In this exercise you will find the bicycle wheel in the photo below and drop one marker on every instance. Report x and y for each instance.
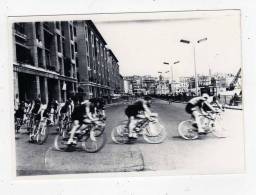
(61, 126)
(90, 145)
(187, 131)
(99, 129)
(218, 130)
(119, 135)
(42, 133)
(154, 133)
(60, 143)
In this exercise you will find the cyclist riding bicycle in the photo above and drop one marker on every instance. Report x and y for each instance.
(98, 108)
(81, 117)
(19, 114)
(52, 110)
(36, 111)
(137, 111)
(198, 106)
(67, 109)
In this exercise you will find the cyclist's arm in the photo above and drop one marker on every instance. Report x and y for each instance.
(209, 106)
(147, 111)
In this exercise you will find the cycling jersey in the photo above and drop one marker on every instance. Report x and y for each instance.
(21, 110)
(134, 109)
(80, 112)
(37, 106)
(193, 103)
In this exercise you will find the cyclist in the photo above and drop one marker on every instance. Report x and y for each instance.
(36, 111)
(137, 111)
(98, 108)
(198, 106)
(52, 110)
(20, 113)
(80, 117)
(66, 110)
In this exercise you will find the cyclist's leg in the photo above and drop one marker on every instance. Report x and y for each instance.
(75, 126)
(131, 125)
(196, 116)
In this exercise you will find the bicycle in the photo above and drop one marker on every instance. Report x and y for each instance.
(211, 123)
(150, 129)
(91, 139)
(18, 124)
(39, 133)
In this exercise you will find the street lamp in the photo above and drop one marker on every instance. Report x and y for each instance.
(194, 52)
(171, 67)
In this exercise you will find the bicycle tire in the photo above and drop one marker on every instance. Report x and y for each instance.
(156, 137)
(91, 146)
(42, 134)
(218, 130)
(118, 135)
(187, 131)
(59, 144)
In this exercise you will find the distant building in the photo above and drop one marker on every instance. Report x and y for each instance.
(142, 84)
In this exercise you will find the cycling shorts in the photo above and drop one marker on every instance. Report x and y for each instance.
(190, 108)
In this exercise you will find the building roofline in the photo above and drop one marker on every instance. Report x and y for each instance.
(111, 52)
(90, 22)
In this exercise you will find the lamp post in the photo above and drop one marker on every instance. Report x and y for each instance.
(171, 69)
(194, 53)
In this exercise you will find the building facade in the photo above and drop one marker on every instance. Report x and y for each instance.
(44, 61)
(55, 60)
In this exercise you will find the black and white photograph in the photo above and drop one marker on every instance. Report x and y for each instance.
(137, 92)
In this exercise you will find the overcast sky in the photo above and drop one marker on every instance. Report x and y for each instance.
(143, 42)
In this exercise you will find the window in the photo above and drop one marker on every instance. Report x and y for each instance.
(47, 58)
(40, 57)
(38, 31)
(72, 51)
(75, 47)
(46, 25)
(60, 61)
(74, 31)
(71, 32)
(20, 27)
(62, 28)
(63, 46)
(58, 43)
(57, 25)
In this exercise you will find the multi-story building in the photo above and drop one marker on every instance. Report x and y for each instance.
(44, 62)
(142, 84)
(58, 59)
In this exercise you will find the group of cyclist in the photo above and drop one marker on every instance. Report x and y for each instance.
(78, 109)
(82, 111)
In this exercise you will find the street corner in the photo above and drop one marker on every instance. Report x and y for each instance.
(106, 160)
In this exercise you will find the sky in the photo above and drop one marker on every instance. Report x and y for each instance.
(142, 42)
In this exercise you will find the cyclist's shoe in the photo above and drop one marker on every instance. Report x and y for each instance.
(202, 133)
(195, 125)
(132, 135)
(71, 142)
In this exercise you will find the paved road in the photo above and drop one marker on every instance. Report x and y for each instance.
(208, 155)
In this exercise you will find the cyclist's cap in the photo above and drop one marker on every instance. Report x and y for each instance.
(205, 96)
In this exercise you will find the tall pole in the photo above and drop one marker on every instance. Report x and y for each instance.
(196, 79)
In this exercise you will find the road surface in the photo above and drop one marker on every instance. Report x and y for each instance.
(209, 155)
